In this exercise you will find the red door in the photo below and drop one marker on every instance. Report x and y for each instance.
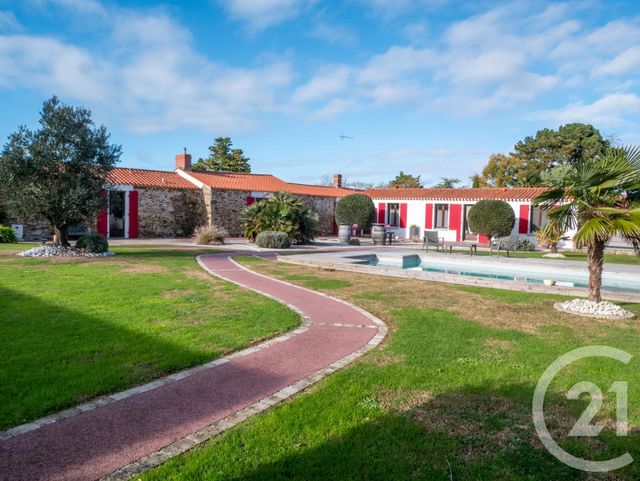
(133, 214)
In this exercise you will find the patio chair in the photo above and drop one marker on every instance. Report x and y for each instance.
(507, 244)
(431, 238)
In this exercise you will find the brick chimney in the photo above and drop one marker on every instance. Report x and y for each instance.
(183, 161)
(337, 181)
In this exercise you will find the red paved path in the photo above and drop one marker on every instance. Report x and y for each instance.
(93, 444)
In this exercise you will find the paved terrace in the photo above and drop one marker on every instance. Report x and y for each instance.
(119, 436)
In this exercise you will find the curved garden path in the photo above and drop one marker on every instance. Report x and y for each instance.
(126, 433)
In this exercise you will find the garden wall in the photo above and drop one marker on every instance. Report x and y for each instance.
(169, 212)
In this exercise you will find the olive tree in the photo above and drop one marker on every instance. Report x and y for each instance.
(58, 171)
(493, 218)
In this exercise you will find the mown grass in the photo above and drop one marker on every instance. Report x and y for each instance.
(446, 397)
(73, 329)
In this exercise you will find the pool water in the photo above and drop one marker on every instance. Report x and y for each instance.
(529, 273)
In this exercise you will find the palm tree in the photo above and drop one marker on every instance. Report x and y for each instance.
(598, 197)
(283, 213)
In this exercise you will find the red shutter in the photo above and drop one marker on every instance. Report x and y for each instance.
(483, 240)
(455, 219)
(523, 224)
(103, 218)
(133, 214)
(428, 216)
(250, 200)
(403, 215)
(381, 212)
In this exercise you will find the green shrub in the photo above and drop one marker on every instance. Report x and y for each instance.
(493, 218)
(94, 243)
(273, 240)
(525, 245)
(7, 235)
(356, 209)
(210, 234)
(354, 242)
(281, 213)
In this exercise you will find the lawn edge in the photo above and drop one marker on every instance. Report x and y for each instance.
(105, 400)
(185, 444)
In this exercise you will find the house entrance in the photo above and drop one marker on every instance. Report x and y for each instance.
(467, 235)
(116, 213)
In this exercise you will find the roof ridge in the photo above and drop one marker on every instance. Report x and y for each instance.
(145, 170)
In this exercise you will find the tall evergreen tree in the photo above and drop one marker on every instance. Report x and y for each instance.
(222, 158)
(58, 171)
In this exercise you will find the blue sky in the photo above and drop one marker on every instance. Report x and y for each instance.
(431, 87)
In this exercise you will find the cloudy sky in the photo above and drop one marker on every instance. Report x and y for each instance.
(431, 87)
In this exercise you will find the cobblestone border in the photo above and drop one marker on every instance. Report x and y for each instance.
(185, 444)
(111, 398)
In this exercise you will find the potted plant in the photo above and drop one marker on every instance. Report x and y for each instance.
(353, 209)
(414, 233)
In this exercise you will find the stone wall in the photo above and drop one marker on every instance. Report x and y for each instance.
(226, 206)
(169, 212)
(38, 230)
(325, 207)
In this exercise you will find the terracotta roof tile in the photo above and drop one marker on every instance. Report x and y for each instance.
(154, 179)
(516, 193)
(263, 183)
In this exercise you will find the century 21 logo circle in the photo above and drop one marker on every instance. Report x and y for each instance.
(583, 426)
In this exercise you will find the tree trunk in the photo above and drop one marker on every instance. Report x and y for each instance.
(553, 246)
(62, 236)
(595, 254)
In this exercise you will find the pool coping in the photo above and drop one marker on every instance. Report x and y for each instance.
(397, 272)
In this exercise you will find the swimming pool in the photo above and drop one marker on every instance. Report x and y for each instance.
(506, 270)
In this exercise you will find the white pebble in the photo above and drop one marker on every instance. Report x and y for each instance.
(54, 251)
(602, 308)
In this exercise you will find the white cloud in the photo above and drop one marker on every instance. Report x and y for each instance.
(9, 22)
(609, 110)
(329, 81)
(332, 109)
(81, 7)
(333, 33)
(261, 14)
(627, 61)
(151, 79)
(49, 65)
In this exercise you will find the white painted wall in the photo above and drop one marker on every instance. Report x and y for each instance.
(416, 210)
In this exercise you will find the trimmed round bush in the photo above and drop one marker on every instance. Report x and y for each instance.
(273, 240)
(493, 218)
(94, 243)
(356, 209)
(7, 235)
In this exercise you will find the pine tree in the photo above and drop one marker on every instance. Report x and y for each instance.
(222, 158)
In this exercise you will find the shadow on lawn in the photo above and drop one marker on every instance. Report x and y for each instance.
(454, 436)
(54, 357)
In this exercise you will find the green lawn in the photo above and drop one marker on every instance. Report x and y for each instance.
(73, 329)
(446, 397)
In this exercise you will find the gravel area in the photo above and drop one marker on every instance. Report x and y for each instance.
(53, 251)
(602, 309)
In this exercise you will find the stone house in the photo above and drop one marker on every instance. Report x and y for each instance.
(154, 203)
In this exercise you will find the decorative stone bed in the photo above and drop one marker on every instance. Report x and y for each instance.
(53, 251)
(600, 310)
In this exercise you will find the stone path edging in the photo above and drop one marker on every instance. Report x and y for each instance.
(184, 444)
